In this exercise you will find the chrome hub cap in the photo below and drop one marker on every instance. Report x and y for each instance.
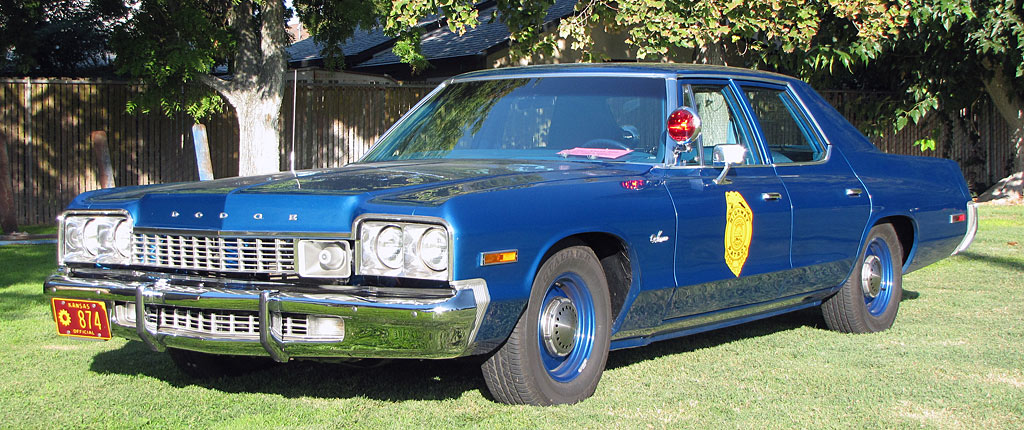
(871, 276)
(558, 326)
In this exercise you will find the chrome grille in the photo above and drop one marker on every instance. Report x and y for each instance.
(214, 253)
(231, 323)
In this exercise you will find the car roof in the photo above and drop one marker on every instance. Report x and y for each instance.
(666, 70)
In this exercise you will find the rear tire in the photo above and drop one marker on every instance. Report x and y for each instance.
(557, 352)
(870, 298)
(201, 365)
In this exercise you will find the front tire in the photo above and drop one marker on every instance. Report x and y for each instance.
(870, 298)
(557, 352)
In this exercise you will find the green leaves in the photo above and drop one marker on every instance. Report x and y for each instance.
(927, 144)
(407, 48)
(168, 44)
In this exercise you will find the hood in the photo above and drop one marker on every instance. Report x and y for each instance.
(324, 200)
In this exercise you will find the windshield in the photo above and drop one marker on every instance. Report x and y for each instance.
(603, 118)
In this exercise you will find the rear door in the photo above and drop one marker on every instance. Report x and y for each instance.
(830, 207)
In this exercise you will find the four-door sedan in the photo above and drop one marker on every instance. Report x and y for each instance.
(537, 217)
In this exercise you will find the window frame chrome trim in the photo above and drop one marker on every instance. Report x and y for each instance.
(788, 89)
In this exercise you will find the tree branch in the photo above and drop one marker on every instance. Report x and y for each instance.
(224, 87)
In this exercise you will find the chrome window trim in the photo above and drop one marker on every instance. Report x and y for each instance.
(411, 219)
(788, 89)
(587, 74)
(402, 119)
(727, 83)
(733, 77)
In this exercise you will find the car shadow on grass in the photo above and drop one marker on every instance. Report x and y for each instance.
(810, 317)
(1009, 263)
(397, 380)
(710, 339)
(402, 380)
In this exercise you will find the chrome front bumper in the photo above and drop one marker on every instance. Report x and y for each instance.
(203, 318)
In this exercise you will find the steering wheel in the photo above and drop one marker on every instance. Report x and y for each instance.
(603, 143)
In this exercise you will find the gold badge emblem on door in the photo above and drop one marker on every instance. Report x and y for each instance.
(739, 228)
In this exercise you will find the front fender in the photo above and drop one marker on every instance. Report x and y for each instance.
(532, 220)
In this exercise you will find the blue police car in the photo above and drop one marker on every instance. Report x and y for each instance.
(535, 217)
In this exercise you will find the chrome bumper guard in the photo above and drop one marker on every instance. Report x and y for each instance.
(201, 318)
(972, 228)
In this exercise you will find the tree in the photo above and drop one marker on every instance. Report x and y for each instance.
(52, 38)
(954, 53)
(939, 54)
(172, 45)
(804, 38)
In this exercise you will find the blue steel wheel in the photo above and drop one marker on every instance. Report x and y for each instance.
(566, 327)
(870, 298)
(557, 352)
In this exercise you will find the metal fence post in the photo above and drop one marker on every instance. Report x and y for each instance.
(203, 163)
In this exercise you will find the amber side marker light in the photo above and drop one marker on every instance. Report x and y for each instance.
(499, 257)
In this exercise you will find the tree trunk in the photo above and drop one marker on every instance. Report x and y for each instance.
(712, 52)
(1011, 106)
(8, 218)
(259, 136)
(256, 88)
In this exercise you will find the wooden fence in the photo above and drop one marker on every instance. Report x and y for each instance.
(47, 124)
(979, 139)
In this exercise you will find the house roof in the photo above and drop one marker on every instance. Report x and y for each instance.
(372, 48)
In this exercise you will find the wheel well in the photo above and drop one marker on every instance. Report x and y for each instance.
(611, 251)
(904, 230)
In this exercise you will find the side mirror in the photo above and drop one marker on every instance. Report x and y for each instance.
(730, 155)
(683, 126)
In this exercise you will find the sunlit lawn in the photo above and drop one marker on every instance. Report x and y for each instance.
(955, 359)
(34, 229)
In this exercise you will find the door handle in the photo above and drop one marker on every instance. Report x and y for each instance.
(770, 196)
(854, 192)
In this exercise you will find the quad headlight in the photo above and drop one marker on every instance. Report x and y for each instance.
(404, 249)
(96, 237)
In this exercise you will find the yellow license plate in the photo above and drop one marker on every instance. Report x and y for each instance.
(81, 318)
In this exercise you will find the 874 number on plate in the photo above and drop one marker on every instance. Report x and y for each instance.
(81, 318)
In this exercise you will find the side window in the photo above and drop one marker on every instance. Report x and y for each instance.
(787, 133)
(721, 122)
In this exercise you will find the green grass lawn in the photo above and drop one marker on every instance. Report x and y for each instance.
(955, 359)
(35, 229)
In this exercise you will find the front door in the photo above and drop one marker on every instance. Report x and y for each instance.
(733, 237)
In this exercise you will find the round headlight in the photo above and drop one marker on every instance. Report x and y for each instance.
(91, 236)
(389, 247)
(434, 249)
(73, 235)
(123, 238)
